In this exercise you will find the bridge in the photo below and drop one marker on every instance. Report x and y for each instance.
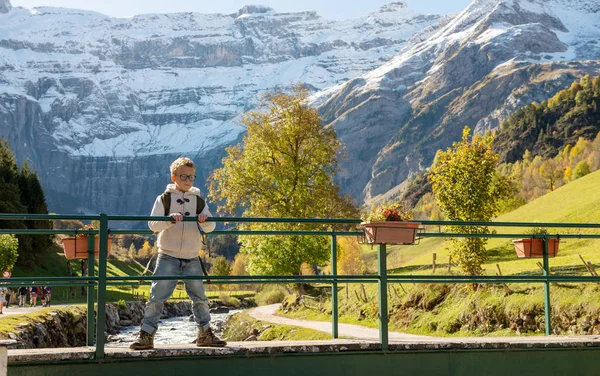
(551, 355)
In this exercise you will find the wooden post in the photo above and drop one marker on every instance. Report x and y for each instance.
(449, 264)
(433, 265)
(589, 266)
(506, 288)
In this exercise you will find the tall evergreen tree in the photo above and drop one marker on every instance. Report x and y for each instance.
(32, 197)
(10, 199)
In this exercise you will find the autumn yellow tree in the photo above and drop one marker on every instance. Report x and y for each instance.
(350, 261)
(283, 168)
(220, 266)
(467, 187)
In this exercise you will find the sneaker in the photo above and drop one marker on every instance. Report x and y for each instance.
(207, 338)
(144, 341)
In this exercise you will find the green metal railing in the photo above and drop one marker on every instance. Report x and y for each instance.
(100, 281)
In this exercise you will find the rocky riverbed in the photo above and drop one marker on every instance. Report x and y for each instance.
(67, 326)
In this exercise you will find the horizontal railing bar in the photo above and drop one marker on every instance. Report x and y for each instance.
(239, 219)
(241, 277)
(19, 216)
(507, 224)
(40, 217)
(48, 232)
(298, 233)
(253, 232)
(506, 235)
(51, 279)
(256, 282)
(46, 283)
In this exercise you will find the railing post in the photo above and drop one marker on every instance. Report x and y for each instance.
(334, 289)
(383, 301)
(90, 291)
(101, 311)
(547, 308)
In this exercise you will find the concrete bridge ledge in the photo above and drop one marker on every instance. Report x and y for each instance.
(307, 347)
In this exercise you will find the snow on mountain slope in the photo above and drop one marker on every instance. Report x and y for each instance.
(475, 69)
(164, 83)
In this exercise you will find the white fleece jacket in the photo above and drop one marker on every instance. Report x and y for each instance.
(180, 240)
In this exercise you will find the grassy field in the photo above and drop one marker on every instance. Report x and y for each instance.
(576, 202)
(456, 310)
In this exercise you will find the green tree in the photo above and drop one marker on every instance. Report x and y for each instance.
(9, 246)
(468, 188)
(132, 252)
(220, 266)
(10, 199)
(581, 169)
(552, 173)
(284, 167)
(32, 197)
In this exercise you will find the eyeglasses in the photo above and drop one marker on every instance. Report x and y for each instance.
(185, 177)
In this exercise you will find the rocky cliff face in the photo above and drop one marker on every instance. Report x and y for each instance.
(491, 59)
(5, 6)
(101, 105)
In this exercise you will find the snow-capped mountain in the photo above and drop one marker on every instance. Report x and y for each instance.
(492, 58)
(100, 105)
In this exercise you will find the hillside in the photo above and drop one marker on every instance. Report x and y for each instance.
(578, 201)
(546, 128)
(492, 59)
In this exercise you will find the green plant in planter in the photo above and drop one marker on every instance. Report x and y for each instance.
(538, 231)
(388, 224)
(396, 212)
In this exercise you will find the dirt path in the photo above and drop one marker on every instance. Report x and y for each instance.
(267, 313)
(16, 310)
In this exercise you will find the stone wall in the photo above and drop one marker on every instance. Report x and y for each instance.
(68, 327)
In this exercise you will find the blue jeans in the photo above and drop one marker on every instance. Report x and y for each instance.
(161, 290)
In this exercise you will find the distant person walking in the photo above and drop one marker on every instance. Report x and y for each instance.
(33, 294)
(8, 295)
(2, 297)
(47, 292)
(22, 296)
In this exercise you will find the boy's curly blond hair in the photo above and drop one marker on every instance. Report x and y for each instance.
(181, 161)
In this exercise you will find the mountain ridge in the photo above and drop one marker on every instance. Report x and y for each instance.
(488, 61)
(96, 100)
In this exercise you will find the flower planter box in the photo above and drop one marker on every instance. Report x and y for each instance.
(389, 232)
(528, 248)
(76, 247)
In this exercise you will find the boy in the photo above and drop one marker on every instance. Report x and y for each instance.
(178, 246)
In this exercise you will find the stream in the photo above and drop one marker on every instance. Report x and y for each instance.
(175, 330)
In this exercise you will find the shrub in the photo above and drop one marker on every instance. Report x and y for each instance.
(9, 245)
(230, 301)
(271, 295)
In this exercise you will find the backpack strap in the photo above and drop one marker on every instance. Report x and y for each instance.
(200, 204)
(166, 201)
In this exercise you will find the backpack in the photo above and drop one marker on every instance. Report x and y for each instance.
(200, 204)
(166, 201)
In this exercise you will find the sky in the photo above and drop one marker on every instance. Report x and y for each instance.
(329, 9)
